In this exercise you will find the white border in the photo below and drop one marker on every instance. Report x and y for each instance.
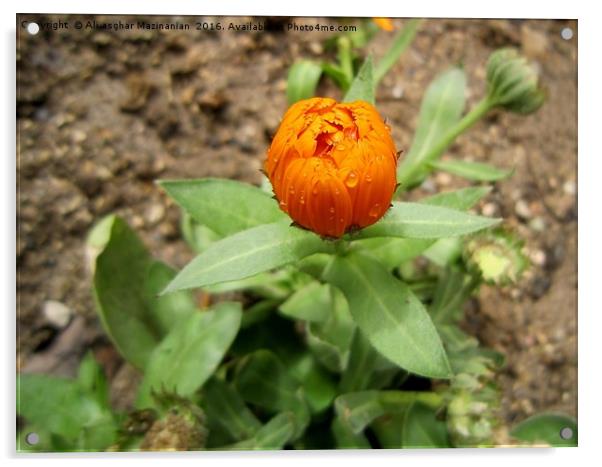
(590, 231)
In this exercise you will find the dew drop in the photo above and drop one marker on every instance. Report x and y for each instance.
(291, 190)
(351, 179)
(374, 210)
(282, 204)
(368, 178)
(316, 190)
(331, 209)
(302, 200)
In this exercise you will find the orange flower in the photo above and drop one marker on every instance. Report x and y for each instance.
(384, 23)
(332, 166)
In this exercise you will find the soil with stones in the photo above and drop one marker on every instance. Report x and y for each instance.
(102, 114)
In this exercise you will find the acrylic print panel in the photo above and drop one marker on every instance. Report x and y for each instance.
(295, 233)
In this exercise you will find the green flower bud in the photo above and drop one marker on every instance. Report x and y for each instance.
(497, 255)
(512, 82)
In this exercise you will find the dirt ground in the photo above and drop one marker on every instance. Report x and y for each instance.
(101, 115)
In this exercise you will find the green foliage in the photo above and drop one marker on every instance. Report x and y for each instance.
(224, 206)
(303, 78)
(546, 428)
(67, 414)
(476, 171)
(441, 109)
(362, 87)
(127, 282)
(190, 353)
(247, 253)
(262, 379)
(390, 316)
(419, 220)
(401, 42)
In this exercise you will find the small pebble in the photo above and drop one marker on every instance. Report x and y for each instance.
(58, 314)
(397, 92)
(155, 213)
(538, 257)
(569, 187)
(316, 48)
(522, 209)
(443, 179)
(489, 209)
(538, 224)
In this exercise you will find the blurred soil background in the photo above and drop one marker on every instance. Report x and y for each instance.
(101, 115)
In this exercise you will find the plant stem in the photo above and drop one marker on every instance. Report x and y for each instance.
(345, 58)
(477, 112)
(396, 398)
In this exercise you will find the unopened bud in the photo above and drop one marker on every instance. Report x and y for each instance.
(513, 82)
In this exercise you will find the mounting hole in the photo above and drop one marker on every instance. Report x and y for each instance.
(566, 34)
(32, 439)
(566, 433)
(33, 28)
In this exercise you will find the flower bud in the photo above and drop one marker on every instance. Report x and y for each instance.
(513, 82)
(497, 256)
(332, 165)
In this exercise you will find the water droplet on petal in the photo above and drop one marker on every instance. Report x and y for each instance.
(282, 204)
(316, 190)
(291, 190)
(374, 210)
(368, 178)
(351, 179)
(302, 200)
(331, 209)
(341, 220)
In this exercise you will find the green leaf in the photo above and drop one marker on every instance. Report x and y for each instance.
(309, 303)
(358, 409)
(445, 251)
(441, 109)
(546, 428)
(197, 235)
(224, 407)
(400, 44)
(319, 387)
(462, 199)
(303, 79)
(388, 430)
(273, 435)
(345, 438)
(476, 171)
(65, 409)
(391, 252)
(91, 378)
(419, 220)
(453, 289)
(330, 341)
(362, 359)
(126, 283)
(190, 353)
(362, 87)
(258, 312)
(248, 253)
(421, 429)
(262, 379)
(225, 206)
(392, 318)
(167, 309)
(336, 74)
